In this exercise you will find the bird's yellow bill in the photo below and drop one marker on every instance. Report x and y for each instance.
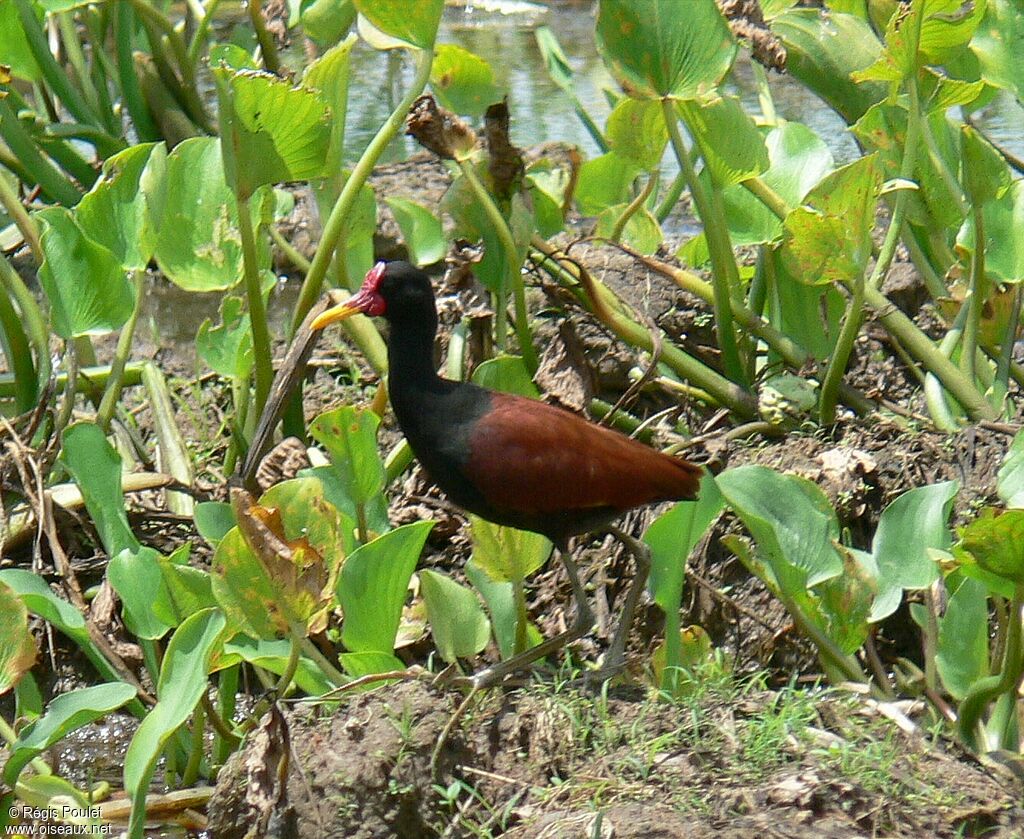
(333, 315)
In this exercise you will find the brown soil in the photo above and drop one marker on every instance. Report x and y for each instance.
(550, 762)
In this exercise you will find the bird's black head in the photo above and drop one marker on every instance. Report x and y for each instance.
(396, 290)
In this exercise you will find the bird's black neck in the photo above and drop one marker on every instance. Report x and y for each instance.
(411, 354)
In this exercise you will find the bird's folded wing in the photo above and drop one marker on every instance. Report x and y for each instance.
(533, 457)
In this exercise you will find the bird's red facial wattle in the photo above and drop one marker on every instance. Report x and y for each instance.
(366, 301)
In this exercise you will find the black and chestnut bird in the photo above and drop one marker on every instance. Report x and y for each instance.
(511, 460)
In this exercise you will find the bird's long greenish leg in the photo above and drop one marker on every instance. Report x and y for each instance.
(582, 624)
(616, 655)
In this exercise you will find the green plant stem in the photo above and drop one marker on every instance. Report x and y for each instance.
(767, 196)
(855, 311)
(67, 405)
(671, 198)
(785, 347)
(199, 37)
(10, 736)
(227, 691)
(54, 75)
(291, 252)
(195, 753)
(19, 357)
(294, 654)
(631, 209)
(31, 318)
(513, 272)
(112, 392)
(336, 223)
(984, 691)
(976, 297)
(262, 363)
(51, 180)
(935, 396)
(725, 275)
(920, 347)
(271, 60)
(73, 49)
(397, 461)
(610, 310)
(522, 618)
(329, 670)
(836, 369)
(932, 280)
(128, 80)
(1001, 385)
(27, 227)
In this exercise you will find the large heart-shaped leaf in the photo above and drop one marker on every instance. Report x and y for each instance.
(910, 527)
(506, 554)
(732, 147)
(961, 651)
(999, 44)
(654, 50)
(828, 239)
(636, 131)
(116, 211)
(350, 436)
(501, 603)
(996, 541)
(1004, 235)
(276, 132)
(199, 247)
(457, 621)
(414, 25)
(463, 82)
(373, 584)
(791, 520)
(86, 285)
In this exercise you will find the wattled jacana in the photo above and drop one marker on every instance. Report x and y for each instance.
(511, 460)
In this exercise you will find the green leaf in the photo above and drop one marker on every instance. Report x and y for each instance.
(86, 285)
(999, 44)
(636, 131)
(183, 681)
(555, 61)
(732, 147)
(654, 51)
(986, 174)
(330, 75)
(1010, 478)
(266, 595)
(17, 54)
(908, 528)
(473, 223)
(641, 231)
(350, 436)
(673, 536)
(96, 468)
(277, 132)
(604, 182)
(828, 239)
(198, 246)
(412, 25)
(227, 347)
(17, 646)
(506, 373)
(961, 654)
(273, 656)
(65, 713)
(1004, 235)
(792, 521)
(115, 213)
(373, 585)
(213, 520)
(824, 50)
(136, 577)
(844, 602)
(996, 541)
(457, 622)
(365, 664)
(326, 21)
(501, 603)
(506, 554)
(421, 230)
(798, 159)
(463, 82)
